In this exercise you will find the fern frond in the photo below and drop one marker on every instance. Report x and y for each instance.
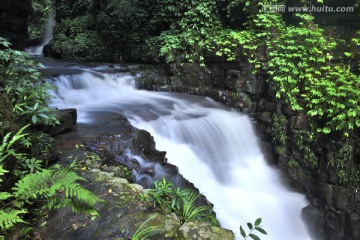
(9, 218)
(5, 142)
(78, 199)
(2, 172)
(190, 211)
(48, 184)
(5, 195)
(65, 177)
(17, 136)
(34, 185)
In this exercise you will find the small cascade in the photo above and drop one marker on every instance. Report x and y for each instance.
(49, 28)
(213, 146)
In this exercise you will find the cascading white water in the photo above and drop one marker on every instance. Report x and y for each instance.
(214, 147)
(49, 28)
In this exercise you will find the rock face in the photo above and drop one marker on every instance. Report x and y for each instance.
(309, 165)
(123, 211)
(121, 214)
(13, 21)
(67, 120)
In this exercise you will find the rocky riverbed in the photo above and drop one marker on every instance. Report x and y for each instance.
(102, 160)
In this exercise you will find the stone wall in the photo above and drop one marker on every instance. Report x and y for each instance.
(306, 163)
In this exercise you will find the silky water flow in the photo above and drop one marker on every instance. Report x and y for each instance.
(214, 147)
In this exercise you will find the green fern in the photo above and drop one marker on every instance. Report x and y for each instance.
(2, 172)
(5, 195)
(190, 212)
(59, 187)
(9, 217)
(5, 148)
(143, 233)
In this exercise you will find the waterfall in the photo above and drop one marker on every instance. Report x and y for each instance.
(213, 146)
(49, 28)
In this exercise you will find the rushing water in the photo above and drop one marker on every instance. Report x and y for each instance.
(214, 147)
(49, 28)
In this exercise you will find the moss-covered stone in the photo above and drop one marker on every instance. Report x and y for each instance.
(201, 230)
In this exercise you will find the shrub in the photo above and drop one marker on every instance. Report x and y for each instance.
(180, 201)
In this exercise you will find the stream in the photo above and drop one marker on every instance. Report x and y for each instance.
(213, 146)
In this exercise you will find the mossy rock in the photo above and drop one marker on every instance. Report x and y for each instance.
(202, 230)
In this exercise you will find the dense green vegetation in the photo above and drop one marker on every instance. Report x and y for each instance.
(315, 72)
(28, 187)
(41, 10)
(299, 58)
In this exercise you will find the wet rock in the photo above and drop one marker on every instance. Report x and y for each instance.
(201, 230)
(268, 106)
(265, 117)
(300, 122)
(314, 220)
(50, 51)
(335, 223)
(251, 85)
(328, 193)
(143, 142)
(354, 225)
(342, 197)
(287, 110)
(121, 213)
(67, 119)
(233, 79)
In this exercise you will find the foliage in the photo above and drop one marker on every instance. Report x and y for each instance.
(143, 233)
(198, 23)
(26, 93)
(38, 18)
(58, 186)
(306, 68)
(180, 201)
(299, 59)
(302, 141)
(77, 39)
(279, 128)
(98, 30)
(253, 228)
(341, 162)
(299, 65)
(25, 184)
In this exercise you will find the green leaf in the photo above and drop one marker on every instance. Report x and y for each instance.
(257, 222)
(43, 116)
(253, 236)
(36, 106)
(242, 232)
(34, 119)
(250, 226)
(261, 230)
